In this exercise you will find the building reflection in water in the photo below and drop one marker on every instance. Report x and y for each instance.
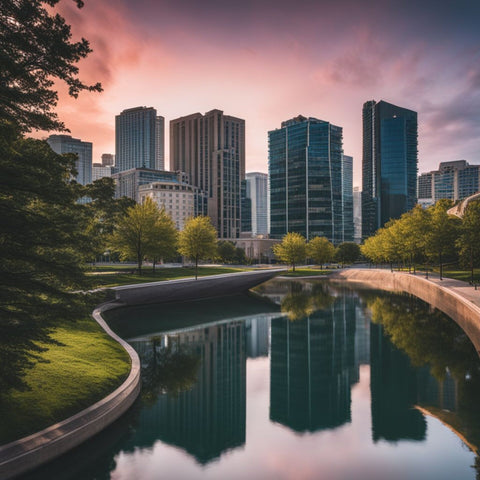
(209, 417)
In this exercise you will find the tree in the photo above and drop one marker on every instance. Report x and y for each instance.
(292, 249)
(469, 239)
(226, 251)
(35, 51)
(198, 240)
(320, 250)
(164, 244)
(413, 229)
(347, 252)
(443, 230)
(136, 232)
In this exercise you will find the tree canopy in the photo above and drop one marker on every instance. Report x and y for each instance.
(347, 252)
(36, 49)
(198, 240)
(292, 249)
(320, 250)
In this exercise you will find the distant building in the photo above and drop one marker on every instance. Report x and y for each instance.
(257, 184)
(357, 215)
(210, 148)
(108, 159)
(180, 200)
(100, 171)
(305, 171)
(139, 139)
(245, 210)
(66, 144)
(389, 165)
(347, 198)
(454, 180)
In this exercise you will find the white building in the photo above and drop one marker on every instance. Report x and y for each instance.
(257, 192)
(178, 199)
(100, 171)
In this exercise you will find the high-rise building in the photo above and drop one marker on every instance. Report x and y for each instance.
(389, 169)
(257, 192)
(455, 180)
(347, 198)
(305, 170)
(139, 139)
(210, 148)
(357, 215)
(66, 144)
(108, 159)
(100, 171)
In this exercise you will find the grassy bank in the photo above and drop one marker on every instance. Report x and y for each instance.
(88, 366)
(306, 272)
(106, 277)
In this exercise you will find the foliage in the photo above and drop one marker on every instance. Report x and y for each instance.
(292, 249)
(320, 250)
(198, 240)
(139, 233)
(164, 244)
(226, 251)
(35, 51)
(347, 252)
(82, 367)
(468, 241)
(42, 246)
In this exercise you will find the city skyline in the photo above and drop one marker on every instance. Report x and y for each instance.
(276, 70)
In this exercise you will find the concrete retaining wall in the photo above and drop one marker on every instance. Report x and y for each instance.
(30, 452)
(441, 295)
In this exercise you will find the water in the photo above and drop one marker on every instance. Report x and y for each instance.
(298, 383)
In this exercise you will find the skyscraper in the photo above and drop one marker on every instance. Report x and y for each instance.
(257, 192)
(389, 169)
(66, 144)
(347, 198)
(305, 168)
(210, 148)
(139, 139)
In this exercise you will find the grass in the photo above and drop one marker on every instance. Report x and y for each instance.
(106, 279)
(459, 274)
(69, 378)
(306, 272)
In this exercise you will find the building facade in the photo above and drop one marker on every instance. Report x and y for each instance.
(357, 215)
(100, 171)
(454, 180)
(66, 144)
(210, 148)
(389, 165)
(257, 192)
(108, 159)
(305, 171)
(139, 139)
(347, 198)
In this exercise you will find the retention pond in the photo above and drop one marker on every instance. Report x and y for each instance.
(301, 380)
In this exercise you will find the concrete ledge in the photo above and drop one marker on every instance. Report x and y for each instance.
(455, 298)
(191, 289)
(41, 447)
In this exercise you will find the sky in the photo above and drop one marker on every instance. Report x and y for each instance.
(268, 61)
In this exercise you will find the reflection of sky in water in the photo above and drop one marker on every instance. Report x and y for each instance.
(421, 447)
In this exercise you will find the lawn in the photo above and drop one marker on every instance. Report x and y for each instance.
(306, 272)
(70, 378)
(105, 278)
(458, 274)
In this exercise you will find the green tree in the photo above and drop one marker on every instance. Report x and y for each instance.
(347, 252)
(413, 229)
(198, 240)
(292, 249)
(469, 239)
(35, 51)
(226, 251)
(164, 244)
(136, 232)
(320, 250)
(442, 233)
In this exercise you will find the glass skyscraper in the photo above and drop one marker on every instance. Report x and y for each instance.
(390, 159)
(139, 139)
(66, 144)
(305, 168)
(257, 189)
(347, 198)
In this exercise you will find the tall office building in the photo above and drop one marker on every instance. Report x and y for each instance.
(390, 158)
(357, 215)
(347, 198)
(305, 169)
(66, 144)
(210, 148)
(455, 180)
(139, 139)
(108, 159)
(257, 193)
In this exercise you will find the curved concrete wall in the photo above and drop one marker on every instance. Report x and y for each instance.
(30, 452)
(445, 295)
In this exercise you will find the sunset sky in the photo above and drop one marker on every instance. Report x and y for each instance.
(267, 61)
